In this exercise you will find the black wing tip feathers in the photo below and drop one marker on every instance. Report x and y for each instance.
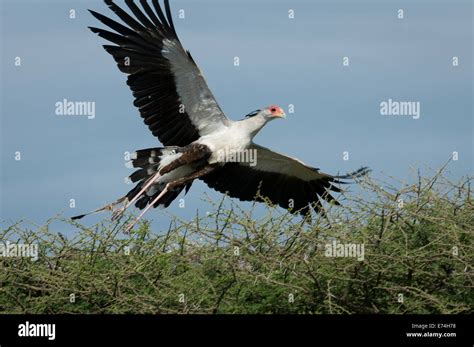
(95, 14)
(94, 30)
(144, 17)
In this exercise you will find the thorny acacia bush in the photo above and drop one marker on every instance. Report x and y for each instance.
(418, 258)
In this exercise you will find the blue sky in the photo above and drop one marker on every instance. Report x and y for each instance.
(282, 61)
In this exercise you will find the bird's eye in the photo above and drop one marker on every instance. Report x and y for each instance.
(273, 109)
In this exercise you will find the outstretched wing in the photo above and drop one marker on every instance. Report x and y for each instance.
(169, 89)
(284, 181)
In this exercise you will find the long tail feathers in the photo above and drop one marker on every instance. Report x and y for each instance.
(108, 207)
(351, 175)
(146, 191)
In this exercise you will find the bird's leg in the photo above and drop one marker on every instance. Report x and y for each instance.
(170, 186)
(191, 154)
(148, 183)
(150, 205)
(201, 172)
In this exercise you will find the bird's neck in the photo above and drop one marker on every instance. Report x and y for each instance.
(254, 124)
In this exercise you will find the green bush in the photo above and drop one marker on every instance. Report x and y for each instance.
(418, 258)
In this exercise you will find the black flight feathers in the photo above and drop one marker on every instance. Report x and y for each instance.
(137, 49)
(155, 23)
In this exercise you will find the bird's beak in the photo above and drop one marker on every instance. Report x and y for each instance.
(281, 114)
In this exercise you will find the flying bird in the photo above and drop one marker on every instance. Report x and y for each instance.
(199, 141)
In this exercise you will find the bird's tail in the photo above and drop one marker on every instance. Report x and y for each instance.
(352, 175)
(148, 161)
(108, 207)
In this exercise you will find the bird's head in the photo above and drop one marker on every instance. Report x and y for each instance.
(274, 111)
(268, 113)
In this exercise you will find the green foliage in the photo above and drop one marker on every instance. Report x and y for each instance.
(418, 258)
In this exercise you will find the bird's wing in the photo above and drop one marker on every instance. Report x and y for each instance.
(169, 89)
(283, 180)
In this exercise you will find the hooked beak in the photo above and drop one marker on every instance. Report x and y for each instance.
(280, 114)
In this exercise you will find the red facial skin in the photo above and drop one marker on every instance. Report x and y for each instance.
(276, 110)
